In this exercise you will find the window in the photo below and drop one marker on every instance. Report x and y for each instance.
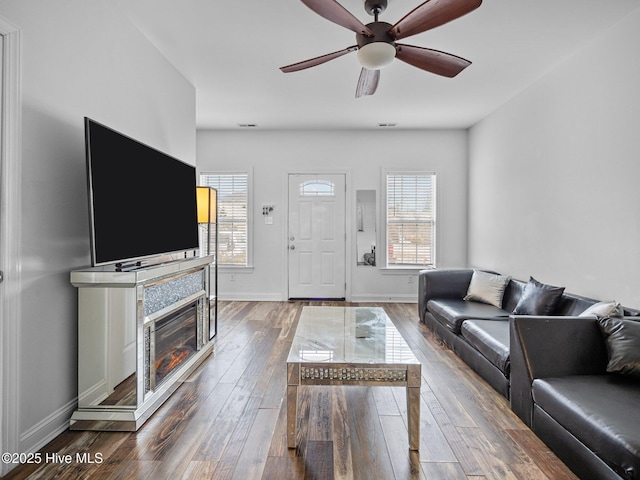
(410, 219)
(317, 188)
(233, 203)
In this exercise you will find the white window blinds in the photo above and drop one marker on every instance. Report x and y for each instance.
(411, 219)
(233, 198)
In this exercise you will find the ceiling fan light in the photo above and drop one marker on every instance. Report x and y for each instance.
(376, 55)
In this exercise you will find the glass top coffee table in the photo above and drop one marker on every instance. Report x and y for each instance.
(351, 346)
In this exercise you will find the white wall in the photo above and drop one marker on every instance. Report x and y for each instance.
(79, 58)
(554, 175)
(272, 154)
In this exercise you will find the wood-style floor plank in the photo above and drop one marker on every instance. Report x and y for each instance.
(366, 436)
(405, 463)
(228, 420)
(280, 468)
(434, 445)
(253, 457)
(319, 460)
(448, 471)
(342, 457)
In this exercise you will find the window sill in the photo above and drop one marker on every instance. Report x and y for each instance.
(229, 269)
(403, 270)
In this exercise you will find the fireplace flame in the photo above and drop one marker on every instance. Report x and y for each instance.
(169, 362)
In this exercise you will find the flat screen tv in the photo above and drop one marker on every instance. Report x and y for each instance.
(142, 202)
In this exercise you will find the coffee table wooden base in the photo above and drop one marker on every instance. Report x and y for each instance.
(355, 374)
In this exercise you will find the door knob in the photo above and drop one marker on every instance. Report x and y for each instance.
(292, 247)
(292, 238)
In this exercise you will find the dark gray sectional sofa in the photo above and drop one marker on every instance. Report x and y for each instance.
(484, 342)
(588, 416)
(552, 368)
(478, 332)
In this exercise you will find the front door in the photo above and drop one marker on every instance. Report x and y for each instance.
(317, 236)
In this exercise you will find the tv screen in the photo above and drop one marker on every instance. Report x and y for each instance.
(142, 202)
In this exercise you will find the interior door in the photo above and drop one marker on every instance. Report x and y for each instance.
(317, 236)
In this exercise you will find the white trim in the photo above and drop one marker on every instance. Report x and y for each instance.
(355, 298)
(249, 173)
(349, 200)
(382, 251)
(251, 297)
(46, 430)
(403, 270)
(10, 289)
(234, 269)
(95, 394)
(381, 298)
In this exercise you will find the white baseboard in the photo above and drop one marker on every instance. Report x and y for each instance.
(379, 298)
(46, 430)
(94, 395)
(251, 297)
(359, 298)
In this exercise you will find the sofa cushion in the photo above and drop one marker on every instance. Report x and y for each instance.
(487, 288)
(571, 305)
(452, 312)
(603, 309)
(599, 410)
(623, 345)
(538, 299)
(512, 294)
(491, 339)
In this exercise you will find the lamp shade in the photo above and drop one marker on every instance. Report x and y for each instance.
(376, 55)
(206, 199)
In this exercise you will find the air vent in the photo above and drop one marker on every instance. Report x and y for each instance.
(387, 124)
(248, 125)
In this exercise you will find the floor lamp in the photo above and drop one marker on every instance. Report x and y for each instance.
(207, 201)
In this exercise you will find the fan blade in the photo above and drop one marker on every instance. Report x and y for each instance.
(312, 62)
(336, 13)
(431, 14)
(368, 82)
(433, 61)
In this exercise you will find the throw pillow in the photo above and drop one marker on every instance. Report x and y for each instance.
(538, 299)
(603, 309)
(623, 345)
(487, 288)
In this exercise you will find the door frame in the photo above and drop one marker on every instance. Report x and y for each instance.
(10, 292)
(348, 222)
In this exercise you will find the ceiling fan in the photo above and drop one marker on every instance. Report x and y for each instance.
(376, 42)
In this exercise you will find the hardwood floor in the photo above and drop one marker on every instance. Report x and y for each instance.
(228, 420)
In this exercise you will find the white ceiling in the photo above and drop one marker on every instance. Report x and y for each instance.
(231, 52)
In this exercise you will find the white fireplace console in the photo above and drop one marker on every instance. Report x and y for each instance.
(141, 331)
